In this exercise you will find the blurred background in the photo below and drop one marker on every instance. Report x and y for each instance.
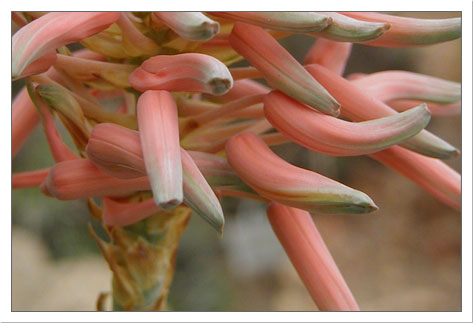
(405, 257)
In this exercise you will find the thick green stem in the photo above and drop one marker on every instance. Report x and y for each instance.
(142, 257)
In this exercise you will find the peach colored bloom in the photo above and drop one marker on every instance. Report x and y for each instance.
(24, 119)
(277, 180)
(183, 72)
(279, 68)
(337, 137)
(53, 30)
(359, 106)
(408, 32)
(310, 257)
(117, 152)
(159, 134)
(80, 178)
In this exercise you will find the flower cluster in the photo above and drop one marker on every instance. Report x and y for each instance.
(190, 129)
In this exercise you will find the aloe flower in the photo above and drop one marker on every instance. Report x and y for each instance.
(163, 126)
(337, 137)
(159, 134)
(299, 236)
(405, 32)
(55, 29)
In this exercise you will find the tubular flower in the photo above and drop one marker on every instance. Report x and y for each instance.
(159, 134)
(337, 137)
(279, 68)
(308, 253)
(359, 106)
(117, 151)
(53, 30)
(406, 32)
(280, 181)
(80, 178)
(163, 127)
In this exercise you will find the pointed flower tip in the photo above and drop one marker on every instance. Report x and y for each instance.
(277, 180)
(199, 195)
(189, 72)
(407, 32)
(279, 68)
(337, 137)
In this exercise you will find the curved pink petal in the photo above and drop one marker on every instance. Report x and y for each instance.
(310, 257)
(117, 151)
(277, 180)
(54, 30)
(159, 134)
(80, 178)
(408, 32)
(359, 106)
(337, 137)
(279, 68)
